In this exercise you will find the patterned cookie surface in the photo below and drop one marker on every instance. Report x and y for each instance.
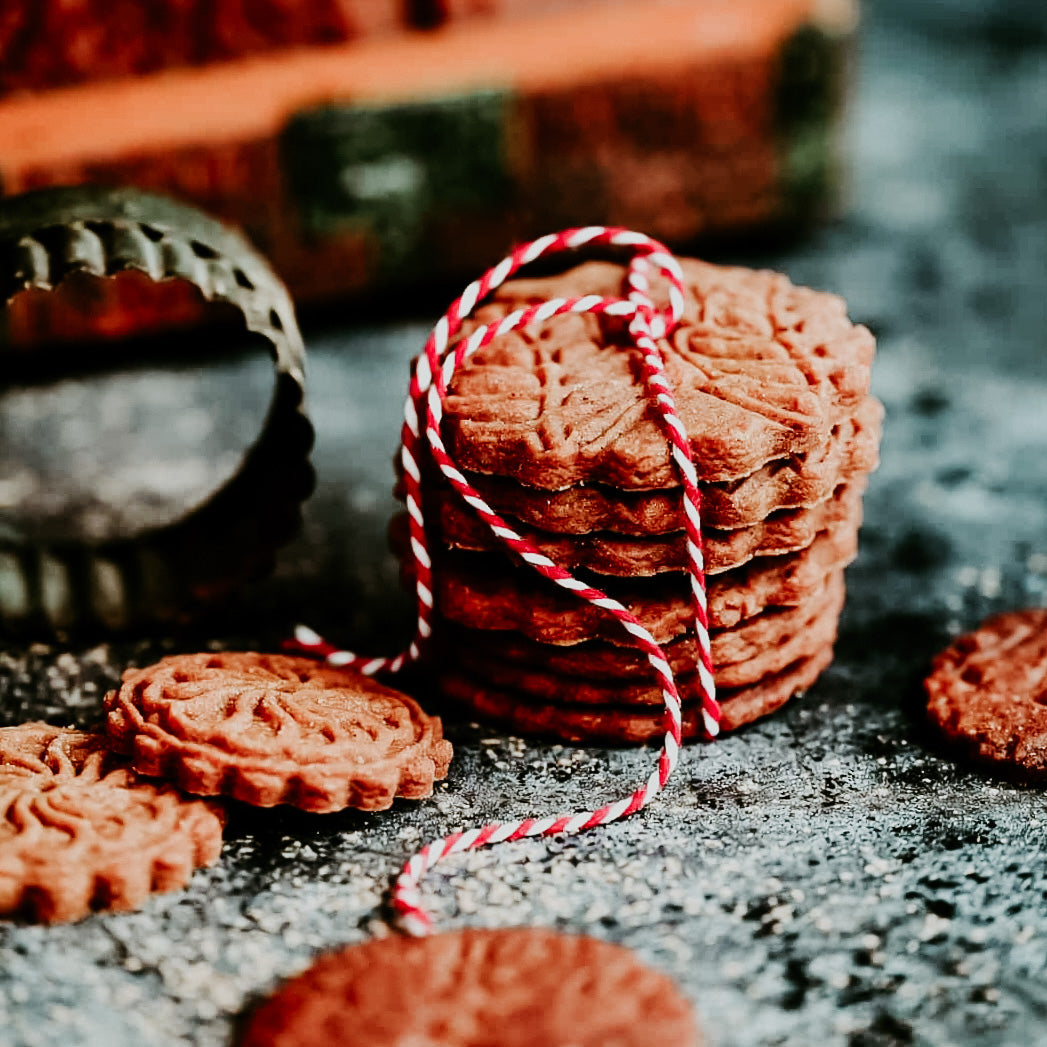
(605, 553)
(269, 729)
(988, 693)
(760, 370)
(82, 831)
(517, 987)
(624, 724)
(795, 482)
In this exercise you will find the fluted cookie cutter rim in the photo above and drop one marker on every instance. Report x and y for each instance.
(161, 575)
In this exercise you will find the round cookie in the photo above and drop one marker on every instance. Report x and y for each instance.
(631, 556)
(987, 693)
(516, 987)
(82, 832)
(760, 370)
(486, 592)
(624, 724)
(799, 481)
(270, 729)
(605, 674)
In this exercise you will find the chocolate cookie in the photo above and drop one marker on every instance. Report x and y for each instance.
(623, 724)
(486, 592)
(800, 481)
(517, 987)
(761, 370)
(270, 729)
(609, 674)
(988, 693)
(605, 553)
(83, 832)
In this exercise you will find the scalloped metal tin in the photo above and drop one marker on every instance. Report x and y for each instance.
(167, 574)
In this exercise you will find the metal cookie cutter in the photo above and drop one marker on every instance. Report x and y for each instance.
(168, 572)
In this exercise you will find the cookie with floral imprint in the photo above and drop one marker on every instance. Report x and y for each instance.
(987, 694)
(796, 482)
(82, 832)
(761, 369)
(273, 729)
(509, 987)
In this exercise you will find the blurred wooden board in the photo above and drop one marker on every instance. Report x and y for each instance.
(423, 156)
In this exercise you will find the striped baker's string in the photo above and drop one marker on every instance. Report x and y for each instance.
(420, 432)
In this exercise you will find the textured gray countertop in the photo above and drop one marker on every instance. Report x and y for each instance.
(828, 876)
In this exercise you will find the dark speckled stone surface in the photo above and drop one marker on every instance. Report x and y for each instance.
(826, 877)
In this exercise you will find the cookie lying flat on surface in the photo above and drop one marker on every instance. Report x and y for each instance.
(270, 729)
(82, 832)
(516, 987)
(988, 693)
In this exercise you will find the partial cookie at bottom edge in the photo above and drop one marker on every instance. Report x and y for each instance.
(515, 987)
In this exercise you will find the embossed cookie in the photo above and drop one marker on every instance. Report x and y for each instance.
(987, 693)
(486, 592)
(270, 729)
(605, 673)
(605, 553)
(625, 724)
(799, 481)
(556, 424)
(82, 832)
(516, 987)
(761, 370)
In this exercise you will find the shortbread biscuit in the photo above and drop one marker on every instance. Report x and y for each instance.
(82, 832)
(486, 592)
(987, 693)
(514, 987)
(270, 729)
(760, 370)
(624, 724)
(797, 482)
(622, 556)
(608, 674)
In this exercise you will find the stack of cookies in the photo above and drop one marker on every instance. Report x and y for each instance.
(555, 428)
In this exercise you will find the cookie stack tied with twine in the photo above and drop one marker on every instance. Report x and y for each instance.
(554, 425)
(736, 369)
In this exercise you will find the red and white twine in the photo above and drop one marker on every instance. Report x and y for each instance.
(423, 412)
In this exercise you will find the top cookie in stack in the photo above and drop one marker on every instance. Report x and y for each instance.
(554, 426)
